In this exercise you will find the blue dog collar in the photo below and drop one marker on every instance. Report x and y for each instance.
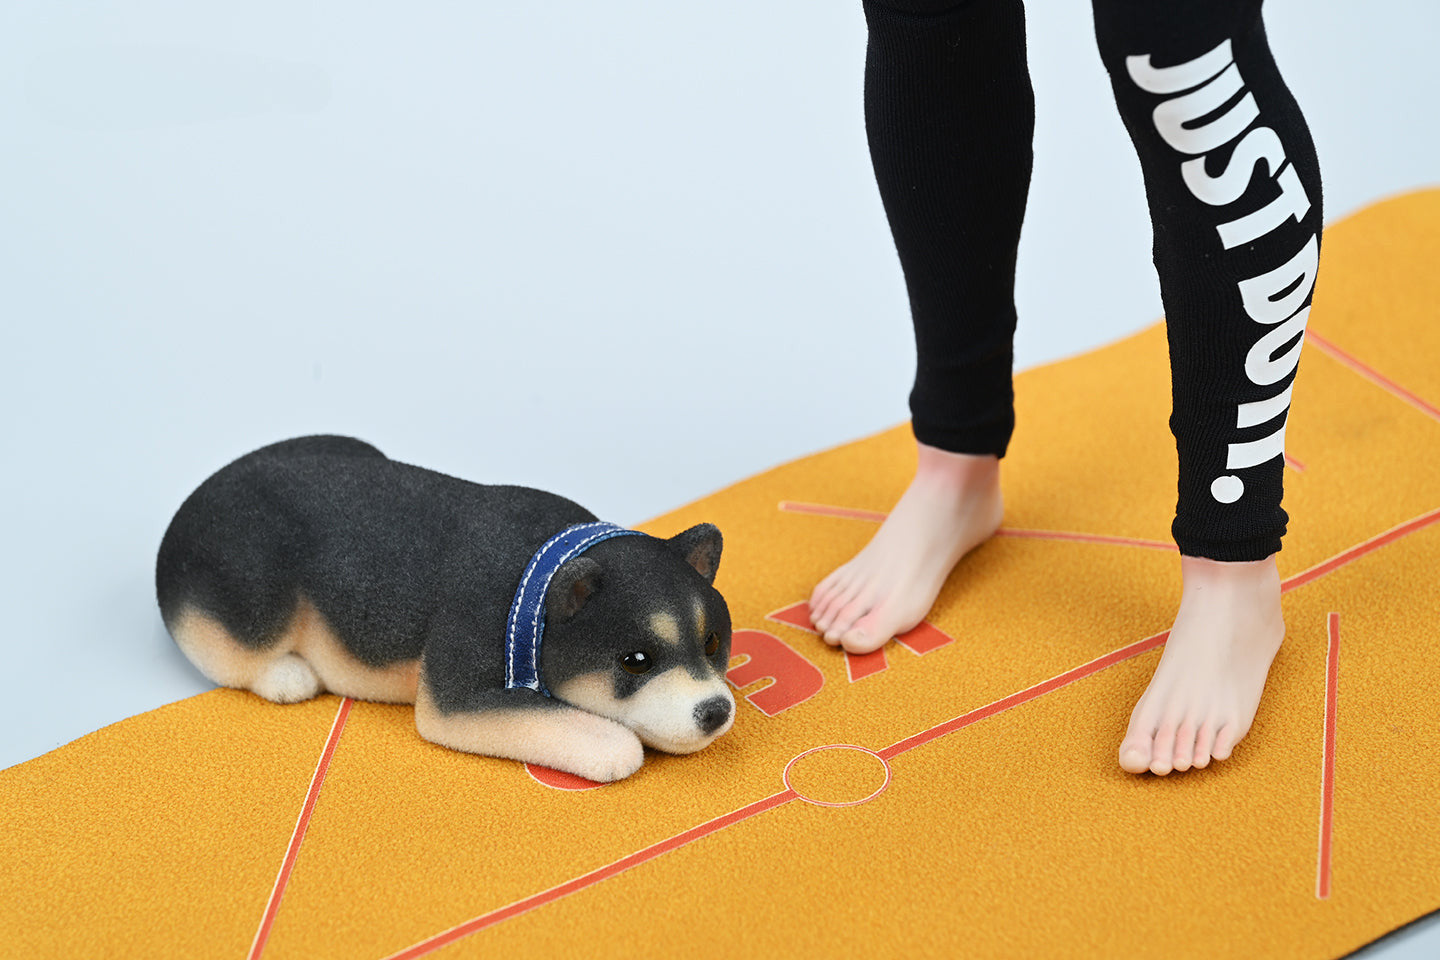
(527, 610)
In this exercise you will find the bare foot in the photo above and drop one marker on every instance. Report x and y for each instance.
(951, 506)
(1204, 693)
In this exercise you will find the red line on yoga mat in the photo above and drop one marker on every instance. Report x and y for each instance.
(1024, 696)
(301, 825)
(1360, 549)
(823, 510)
(1327, 775)
(1083, 538)
(594, 876)
(1373, 375)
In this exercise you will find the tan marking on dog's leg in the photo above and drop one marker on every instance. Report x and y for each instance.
(219, 655)
(274, 673)
(666, 627)
(562, 738)
(339, 670)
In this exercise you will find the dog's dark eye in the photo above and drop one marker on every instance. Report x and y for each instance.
(712, 645)
(636, 662)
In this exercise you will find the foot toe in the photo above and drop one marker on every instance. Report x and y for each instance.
(817, 603)
(821, 594)
(1184, 754)
(1204, 742)
(1162, 750)
(820, 609)
(1135, 754)
(821, 620)
(826, 596)
(847, 617)
(866, 636)
(833, 612)
(1225, 740)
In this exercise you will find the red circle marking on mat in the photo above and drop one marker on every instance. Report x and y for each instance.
(828, 803)
(559, 779)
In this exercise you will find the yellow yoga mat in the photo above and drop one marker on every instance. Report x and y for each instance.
(955, 795)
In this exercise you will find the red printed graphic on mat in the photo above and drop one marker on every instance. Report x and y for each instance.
(559, 779)
(858, 666)
(1327, 770)
(924, 638)
(767, 656)
(921, 640)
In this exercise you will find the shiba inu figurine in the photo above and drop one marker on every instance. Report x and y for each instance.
(319, 564)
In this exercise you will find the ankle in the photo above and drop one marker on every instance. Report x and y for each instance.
(962, 472)
(1243, 585)
(1203, 572)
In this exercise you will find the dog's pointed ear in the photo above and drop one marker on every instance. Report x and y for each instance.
(700, 546)
(570, 588)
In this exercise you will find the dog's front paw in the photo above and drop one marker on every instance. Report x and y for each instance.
(612, 752)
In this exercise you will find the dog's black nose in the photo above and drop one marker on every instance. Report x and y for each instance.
(710, 715)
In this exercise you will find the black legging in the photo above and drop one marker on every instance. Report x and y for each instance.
(1234, 193)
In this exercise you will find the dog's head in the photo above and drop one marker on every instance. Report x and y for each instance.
(636, 631)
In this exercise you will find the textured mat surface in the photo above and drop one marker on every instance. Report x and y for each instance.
(956, 794)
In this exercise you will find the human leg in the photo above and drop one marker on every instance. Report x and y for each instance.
(1234, 192)
(949, 115)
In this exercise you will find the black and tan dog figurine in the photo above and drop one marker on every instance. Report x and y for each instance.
(319, 564)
